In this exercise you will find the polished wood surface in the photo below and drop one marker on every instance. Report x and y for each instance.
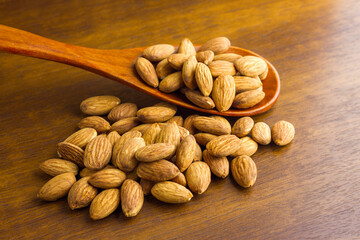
(118, 65)
(309, 189)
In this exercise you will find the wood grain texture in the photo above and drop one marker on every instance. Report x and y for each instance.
(309, 189)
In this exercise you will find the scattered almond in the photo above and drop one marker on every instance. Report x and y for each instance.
(99, 105)
(81, 194)
(104, 203)
(124, 110)
(56, 166)
(261, 133)
(198, 177)
(132, 198)
(57, 187)
(282, 133)
(244, 171)
(171, 192)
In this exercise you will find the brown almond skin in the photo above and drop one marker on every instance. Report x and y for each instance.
(151, 134)
(81, 194)
(185, 153)
(56, 166)
(171, 83)
(176, 119)
(124, 110)
(125, 159)
(204, 79)
(158, 52)
(164, 69)
(186, 47)
(154, 152)
(132, 198)
(261, 133)
(97, 153)
(147, 72)
(113, 136)
(198, 99)
(180, 179)
(247, 147)
(211, 125)
(141, 128)
(248, 99)
(243, 83)
(188, 72)
(198, 153)
(157, 171)
(224, 145)
(82, 137)
(223, 92)
(171, 192)
(96, 122)
(282, 133)
(242, 126)
(177, 60)
(57, 187)
(124, 125)
(99, 105)
(104, 203)
(169, 134)
(133, 175)
(86, 172)
(217, 45)
(204, 138)
(219, 166)
(198, 177)
(205, 57)
(188, 124)
(221, 67)
(155, 114)
(120, 143)
(71, 152)
(107, 178)
(146, 186)
(244, 171)
(250, 66)
(230, 57)
(264, 74)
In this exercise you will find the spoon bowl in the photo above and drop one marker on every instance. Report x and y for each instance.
(118, 65)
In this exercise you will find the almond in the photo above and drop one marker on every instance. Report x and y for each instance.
(264, 74)
(188, 72)
(151, 134)
(183, 132)
(176, 119)
(180, 179)
(82, 137)
(132, 198)
(81, 194)
(243, 83)
(203, 79)
(142, 127)
(224, 145)
(223, 92)
(124, 110)
(248, 99)
(169, 134)
(71, 152)
(217, 45)
(261, 133)
(146, 186)
(120, 143)
(247, 147)
(205, 57)
(125, 159)
(157, 171)
(188, 124)
(282, 133)
(204, 138)
(57, 187)
(99, 105)
(158, 52)
(244, 171)
(198, 99)
(177, 60)
(185, 153)
(86, 172)
(147, 72)
(97, 153)
(242, 126)
(198, 153)
(113, 137)
(171, 83)
(186, 47)
(154, 152)
(230, 57)
(95, 122)
(221, 67)
(198, 177)
(250, 66)
(219, 166)
(171, 192)
(104, 203)
(107, 178)
(156, 114)
(56, 166)
(124, 125)
(211, 125)
(164, 69)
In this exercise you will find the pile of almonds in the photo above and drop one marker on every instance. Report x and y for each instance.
(209, 77)
(151, 151)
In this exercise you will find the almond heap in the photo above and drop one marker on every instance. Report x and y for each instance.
(116, 160)
(209, 77)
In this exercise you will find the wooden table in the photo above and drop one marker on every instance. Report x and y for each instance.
(309, 189)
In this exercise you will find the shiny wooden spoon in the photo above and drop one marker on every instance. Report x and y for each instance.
(118, 65)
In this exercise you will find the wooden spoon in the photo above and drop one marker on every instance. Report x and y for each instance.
(118, 65)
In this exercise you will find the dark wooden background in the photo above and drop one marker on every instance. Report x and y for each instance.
(309, 189)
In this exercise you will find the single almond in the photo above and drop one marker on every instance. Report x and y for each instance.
(164, 69)
(223, 92)
(204, 138)
(154, 152)
(247, 147)
(113, 137)
(171, 192)
(57, 187)
(104, 203)
(157, 171)
(71, 152)
(185, 153)
(156, 114)
(221, 67)
(124, 125)
(180, 179)
(242, 126)
(219, 166)
(158, 52)
(56, 166)
(211, 125)
(198, 99)
(198, 177)
(99, 105)
(186, 47)
(97, 153)
(176, 119)
(120, 143)
(224, 145)
(230, 57)
(82, 137)
(188, 123)
(169, 134)
(151, 134)
(261, 133)
(132, 198)
(217, 45)
(146, 71)
(124, 110)
(203, 79)
(95, 122)
(244, 171)
(177, 60)
(282, 133)
(248, 99)
(205, 57)
(107, 178)
(146, 186)
(243, 83)
(171, 83)
(188, 72)
(81, 194)
(86, 172)
(125, 159)
(250, 66)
